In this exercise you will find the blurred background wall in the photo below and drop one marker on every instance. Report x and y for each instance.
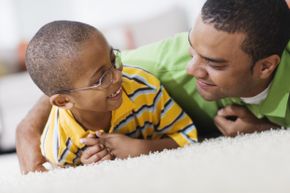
(127, 24)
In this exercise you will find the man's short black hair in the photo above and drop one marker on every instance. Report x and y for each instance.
(52, 54)
(266, 23)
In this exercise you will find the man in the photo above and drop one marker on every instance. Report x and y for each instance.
(233, 78)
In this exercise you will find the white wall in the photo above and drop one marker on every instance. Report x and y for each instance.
(20, 19)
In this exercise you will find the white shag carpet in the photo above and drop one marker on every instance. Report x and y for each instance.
(256, 163)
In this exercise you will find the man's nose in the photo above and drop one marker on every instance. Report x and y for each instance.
(196, 68)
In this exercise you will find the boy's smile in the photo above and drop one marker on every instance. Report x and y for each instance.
(116, 95)
(97, 61)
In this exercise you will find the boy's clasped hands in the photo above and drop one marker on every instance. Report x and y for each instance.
(102, 146)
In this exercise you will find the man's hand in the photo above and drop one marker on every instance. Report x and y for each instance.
(32, 161)
(95, 151)
(233, 120)
(28, 150)
(28, 134)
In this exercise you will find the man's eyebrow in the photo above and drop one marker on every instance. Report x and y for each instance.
(188, 37)
(215, 60)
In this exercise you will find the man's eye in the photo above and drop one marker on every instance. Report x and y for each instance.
(217, 67)
(214, 65)
(192, 52)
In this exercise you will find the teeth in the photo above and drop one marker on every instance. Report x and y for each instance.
(116, 93)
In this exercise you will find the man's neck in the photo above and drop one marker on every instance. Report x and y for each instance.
(91, 120)
(260, 96)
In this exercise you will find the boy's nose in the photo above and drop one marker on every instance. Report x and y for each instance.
(117, 76)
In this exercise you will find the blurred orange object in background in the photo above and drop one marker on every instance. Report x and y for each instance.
(21, 55)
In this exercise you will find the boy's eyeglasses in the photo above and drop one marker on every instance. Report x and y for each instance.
(107, 77)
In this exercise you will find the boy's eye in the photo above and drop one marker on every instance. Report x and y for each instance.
(113, 60)
(97, 80)
(99, 75)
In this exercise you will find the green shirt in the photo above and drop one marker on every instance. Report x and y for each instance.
(168, 59)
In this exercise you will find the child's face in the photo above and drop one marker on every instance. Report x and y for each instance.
(96, 59)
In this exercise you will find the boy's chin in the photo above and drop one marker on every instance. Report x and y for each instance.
(115, 105)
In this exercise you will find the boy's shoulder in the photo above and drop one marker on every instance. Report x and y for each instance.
(139, 78)
(139, 85)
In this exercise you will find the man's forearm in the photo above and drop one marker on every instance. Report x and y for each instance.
(28, 134)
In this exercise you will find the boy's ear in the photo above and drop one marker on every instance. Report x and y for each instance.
(61, 101)
(267, 66)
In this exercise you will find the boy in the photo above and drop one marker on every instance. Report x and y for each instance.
(91, 91)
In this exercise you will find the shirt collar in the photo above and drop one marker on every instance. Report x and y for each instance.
(69, 123)
(276, 102)
(123, 111)
(258, 98)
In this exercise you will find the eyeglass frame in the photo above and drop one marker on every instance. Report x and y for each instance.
(97, 85)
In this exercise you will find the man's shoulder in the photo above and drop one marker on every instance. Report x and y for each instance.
(167, 54)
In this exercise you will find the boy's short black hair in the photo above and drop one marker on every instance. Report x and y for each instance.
(52, 54)
(266, 23)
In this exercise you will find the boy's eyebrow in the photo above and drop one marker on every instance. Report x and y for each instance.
(97, 71)
(215, 60)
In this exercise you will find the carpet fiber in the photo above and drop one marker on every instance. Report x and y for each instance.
(256, 163)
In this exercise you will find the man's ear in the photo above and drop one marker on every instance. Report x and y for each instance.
(266, 66)
(61, 101)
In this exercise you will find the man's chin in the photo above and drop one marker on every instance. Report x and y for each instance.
(209, 96)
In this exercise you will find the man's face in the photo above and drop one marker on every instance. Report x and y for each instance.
(221, 68)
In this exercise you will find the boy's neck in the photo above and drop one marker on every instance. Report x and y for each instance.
(91, 120)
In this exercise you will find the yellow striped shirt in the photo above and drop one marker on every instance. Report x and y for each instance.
(147, 112)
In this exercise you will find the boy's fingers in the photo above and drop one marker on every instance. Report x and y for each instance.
(91, 135)
(108, 157)
(101, 134)
(95, 157)
(91, 150)
(89, 141)
(108, 142)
